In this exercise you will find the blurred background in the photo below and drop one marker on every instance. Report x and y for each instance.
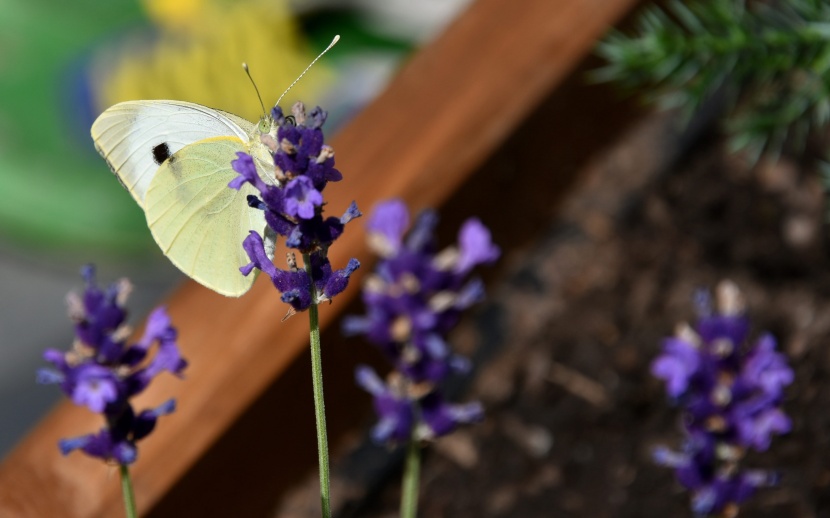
(62, 64)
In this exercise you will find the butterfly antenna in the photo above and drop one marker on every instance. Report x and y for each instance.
(335, 40)
(245, 67)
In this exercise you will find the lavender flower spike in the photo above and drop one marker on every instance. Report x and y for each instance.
(413, 299)
(291, 197)
(293, 204)
(731, 390)
(102, 372)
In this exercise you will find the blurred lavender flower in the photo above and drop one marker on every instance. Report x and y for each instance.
(413, 299)
(293, 206)
(731, 391)
(102, 373)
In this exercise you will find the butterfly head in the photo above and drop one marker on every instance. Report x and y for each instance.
(266, 123)
(266, 133)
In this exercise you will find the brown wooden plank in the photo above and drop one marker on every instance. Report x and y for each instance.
(449, 107)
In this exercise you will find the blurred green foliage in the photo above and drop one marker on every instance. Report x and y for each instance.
(44, 157)
(770, 60)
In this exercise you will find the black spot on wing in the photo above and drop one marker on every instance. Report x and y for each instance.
(161, 153)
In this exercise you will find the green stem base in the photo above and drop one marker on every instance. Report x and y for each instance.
(127, 492)
(319, 402)
(411, 477)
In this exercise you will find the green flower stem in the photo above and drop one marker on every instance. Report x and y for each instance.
(319, 401)
(411, 477)
(127, 491)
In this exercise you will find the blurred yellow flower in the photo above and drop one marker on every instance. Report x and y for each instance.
(198, 52)
(174, 12)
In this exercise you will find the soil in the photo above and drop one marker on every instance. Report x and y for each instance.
(564, 348)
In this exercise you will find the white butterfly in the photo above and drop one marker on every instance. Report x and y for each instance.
(175, 159)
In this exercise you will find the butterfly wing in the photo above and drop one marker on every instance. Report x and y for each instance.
(197, 220)
(136, 137)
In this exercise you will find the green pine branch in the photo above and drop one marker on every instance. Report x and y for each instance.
(770, 59)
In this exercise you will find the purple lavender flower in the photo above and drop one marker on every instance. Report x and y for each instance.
(102, 372)
(293, 203)
(731, 390)
(413, 299)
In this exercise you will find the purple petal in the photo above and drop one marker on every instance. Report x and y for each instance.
(422, 234)
(351, 213)
(124, 453)
(757, 431)
(88, 274)
(49, 377)
(339, 279)
(354, 325)
(167, 358)
(384, 430)
(460, 364)
(145, 422)
(277, 115)
(103, 446)
(678, 363)
(442, 418)
(476, 246)
(367, 379)
(295, 287)
(471, 293)
(56, 358)
(301, 198)
(157, 328)
(244, 165)
(666, 457)
(766, 369)
(396, 415)
(94, 387)
(436, 347)
(168, 407)
(386, 225)
(69, 445)
(316, 118)
(255, 248)
(467, 413)
(732, 327)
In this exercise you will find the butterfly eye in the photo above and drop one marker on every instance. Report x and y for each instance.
(264, 125)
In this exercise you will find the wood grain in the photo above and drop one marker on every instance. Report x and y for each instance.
(452, 104)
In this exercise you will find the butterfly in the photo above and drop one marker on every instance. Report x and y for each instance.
(174, 158)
